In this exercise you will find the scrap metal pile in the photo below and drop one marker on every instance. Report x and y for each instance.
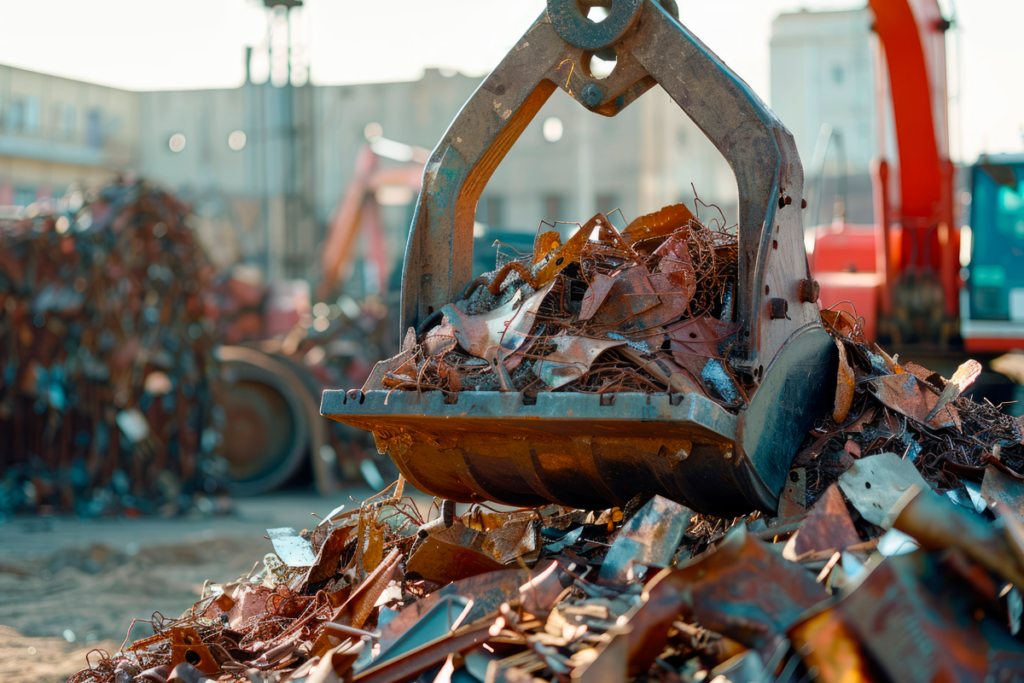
(641, 310)
(882, 579)
(105, 399)
(884, 406)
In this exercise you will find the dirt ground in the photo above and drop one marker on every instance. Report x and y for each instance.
(69, 586)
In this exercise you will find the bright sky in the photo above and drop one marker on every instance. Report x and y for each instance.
(176, 44)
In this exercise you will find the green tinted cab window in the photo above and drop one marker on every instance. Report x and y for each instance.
(997, 254)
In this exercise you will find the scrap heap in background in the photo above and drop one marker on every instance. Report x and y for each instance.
(640, 310)
(896, 554)
(105, 394)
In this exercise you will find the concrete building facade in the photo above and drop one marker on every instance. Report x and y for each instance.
(56, 133)
(824, 67)
(264, 167)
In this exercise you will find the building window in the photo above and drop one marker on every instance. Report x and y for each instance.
(15, 117)
(94, 128)
(67, 121)
(495, 210)
(32, 115)
(23, 196)
(553, 208)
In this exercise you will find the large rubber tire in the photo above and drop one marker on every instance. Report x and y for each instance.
(266, 438)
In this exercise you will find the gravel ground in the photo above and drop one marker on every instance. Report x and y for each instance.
(68, 586)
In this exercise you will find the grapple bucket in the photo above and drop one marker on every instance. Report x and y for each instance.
(588, 450)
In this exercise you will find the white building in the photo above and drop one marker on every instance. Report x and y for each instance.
(56, 132)
(823, 72)
(264, 167)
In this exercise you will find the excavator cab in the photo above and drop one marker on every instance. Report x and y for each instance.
(992, 303)
(588, 450)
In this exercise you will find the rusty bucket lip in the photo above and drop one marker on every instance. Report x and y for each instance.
(568, 414)
(425, 421)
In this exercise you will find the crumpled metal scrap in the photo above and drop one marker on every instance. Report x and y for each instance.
(648, 309)
(883, 405)
(882, 578)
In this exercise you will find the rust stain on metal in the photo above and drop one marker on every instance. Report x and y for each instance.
(596, 294)
(661, 223)
(188, 647)
(845, 386)
(828, 526)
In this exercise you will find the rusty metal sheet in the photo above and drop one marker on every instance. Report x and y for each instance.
(610, 242)
(682, 382)
(936, 523)
(965, 375)
(544, 244)
(546, 583)
(844, 386)
(793, 501)
(918, 624)
(247, 605)
(369, 544)
(440, 340)
(833, 649)
(743, 590)
(187, 647)
(660, 366)
(674, 282)
(909, 396)
(963, 378)
(326, 564)
(514, 540)
(674, 292)
(487, 591)
(828, 526)
(569, 253)
(631, 294)
(571, 358)
(382, 368)
(460, 534)
(661, 223)
(924, 374)
(506, 327)
(611, 663)
(1000, 486)
(699, 337)
(675, 261)
(596, 294)
(650, 537)
(845, 324)
(359, 605)
(481, 519)
(442, 562)
(418, 661)
(439, 620)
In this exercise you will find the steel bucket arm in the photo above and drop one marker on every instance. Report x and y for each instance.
(590, 451)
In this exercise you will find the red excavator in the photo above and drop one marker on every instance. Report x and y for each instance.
(903, 275)
(273, 385)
